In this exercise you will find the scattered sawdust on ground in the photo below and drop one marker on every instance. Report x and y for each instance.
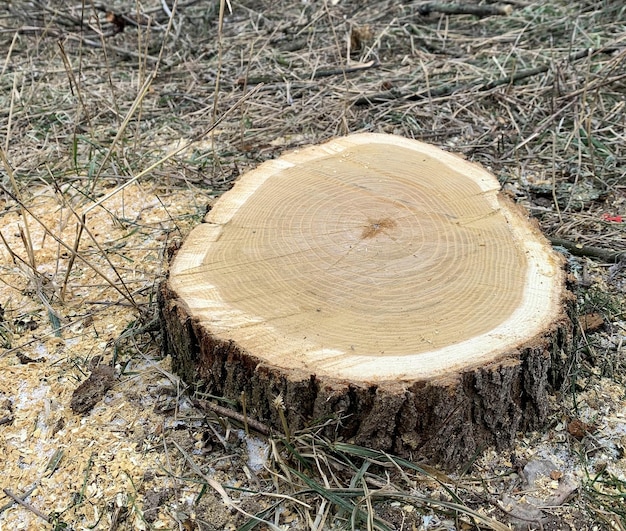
(110, 450)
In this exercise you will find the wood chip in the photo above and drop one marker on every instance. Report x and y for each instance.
(590, 322)
(91, 391)
(578, 429)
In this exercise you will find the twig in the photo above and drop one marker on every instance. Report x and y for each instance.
(242, 81)
(26, 505)
(464, 9)
(166, 9)
(480, 85)
(226, 412)
(51, 32)
(517, 3)
(26, 494)
(578, 249)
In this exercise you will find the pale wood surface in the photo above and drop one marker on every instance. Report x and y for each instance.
(370, 258)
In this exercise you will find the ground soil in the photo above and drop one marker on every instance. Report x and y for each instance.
(97, 104)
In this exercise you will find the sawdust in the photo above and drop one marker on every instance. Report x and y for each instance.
(67, 441)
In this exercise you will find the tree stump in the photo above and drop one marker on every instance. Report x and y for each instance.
(379, 281)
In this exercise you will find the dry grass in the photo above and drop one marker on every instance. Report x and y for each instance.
(92, 99)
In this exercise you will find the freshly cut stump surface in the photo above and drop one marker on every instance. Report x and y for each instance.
(378, 280)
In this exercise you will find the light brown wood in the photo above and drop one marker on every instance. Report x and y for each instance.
(370, 277)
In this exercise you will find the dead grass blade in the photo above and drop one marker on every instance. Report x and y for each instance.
(28, 244)
(122, 128)
(175, 152)
(70, 249)
(393, 492)
(536, 96)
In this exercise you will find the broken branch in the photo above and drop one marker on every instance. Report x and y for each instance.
(479, 85)
(461, 9)
(229, 413)
(243, 81)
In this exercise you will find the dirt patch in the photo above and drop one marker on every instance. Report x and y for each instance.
(95, 104)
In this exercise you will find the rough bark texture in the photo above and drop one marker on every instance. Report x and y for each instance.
(447, 420)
